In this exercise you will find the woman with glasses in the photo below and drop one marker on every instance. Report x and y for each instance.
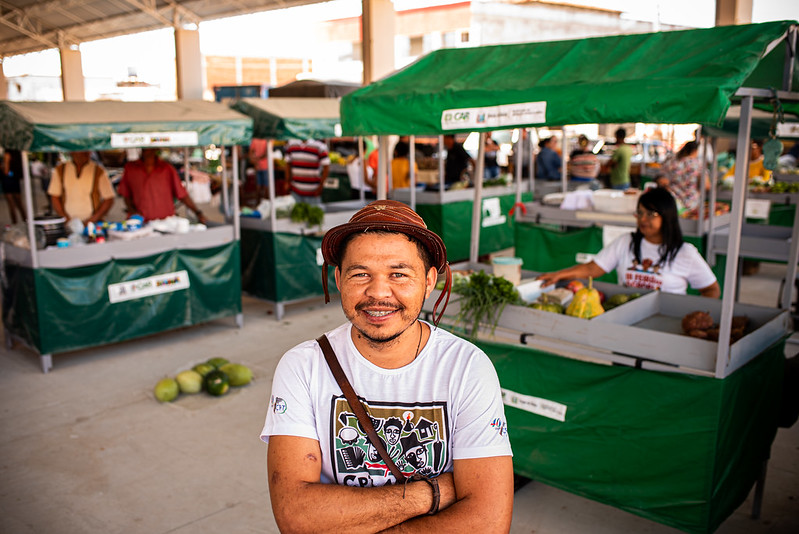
(653, 257)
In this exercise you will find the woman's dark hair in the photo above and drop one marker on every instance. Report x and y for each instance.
(661, 201)
(544, 142)
(687, 149)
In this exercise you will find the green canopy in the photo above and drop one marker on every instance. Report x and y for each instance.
(71, 126)
(663, 77)
(287, 118)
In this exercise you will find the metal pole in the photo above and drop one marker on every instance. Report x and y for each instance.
(564, 148)
(270, 166)
(28, 190)
(440, 169)
(236, 220)
(701, 185)
(714, 170)
(382, 167)
(734, 242)
(793, 258)
(531, 167)
(225, 202)
(477, 207)
(412, 157)
(362, 170)
(517, 168)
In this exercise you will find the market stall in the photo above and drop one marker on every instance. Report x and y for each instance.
(280, 259)
(63, 299)
(678, 431)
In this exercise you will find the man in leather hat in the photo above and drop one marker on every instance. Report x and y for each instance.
(443, 388)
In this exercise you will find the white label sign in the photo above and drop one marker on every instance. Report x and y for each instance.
(492, 212)
(584, 257)
(757, 208)
(494, 116)
(788, 129)
(546, 408)
(320, 258)
(148, 139)
(146, 287)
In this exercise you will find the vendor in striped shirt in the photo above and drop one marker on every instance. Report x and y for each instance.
(308, 165)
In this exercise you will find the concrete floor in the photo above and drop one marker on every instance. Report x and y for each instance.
(87, 448)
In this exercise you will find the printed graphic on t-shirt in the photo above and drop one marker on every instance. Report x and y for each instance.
(644, 275)
(414, 435)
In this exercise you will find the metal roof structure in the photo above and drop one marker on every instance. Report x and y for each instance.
(33, 25)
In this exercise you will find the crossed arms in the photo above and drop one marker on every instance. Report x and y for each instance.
(477, 496)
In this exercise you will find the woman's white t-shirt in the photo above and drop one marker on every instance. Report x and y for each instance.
(687, 268)
(445, 405)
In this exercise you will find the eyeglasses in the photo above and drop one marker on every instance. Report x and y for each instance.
(646, 214)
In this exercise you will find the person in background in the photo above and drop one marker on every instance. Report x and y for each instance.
(653, 257)
(41, 172)
(434, 398)
(150, 187)
(681, 175)
(11, 177)
(758, 174)
(401, 166)
(258, 158)
(458, 160)
(548, 162)
(620, 162)
(584, 165)
(80, 189)
(307, 168)
(491, 169)
(526, 147)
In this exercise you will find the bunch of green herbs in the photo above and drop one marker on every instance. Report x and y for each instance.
(483, 299)
(311, 215)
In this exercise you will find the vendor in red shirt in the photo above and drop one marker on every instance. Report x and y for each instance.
(150, 186)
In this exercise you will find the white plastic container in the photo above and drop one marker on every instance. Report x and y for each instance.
(509, 268)
(615, 201)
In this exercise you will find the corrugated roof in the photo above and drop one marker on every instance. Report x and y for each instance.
(34, 25)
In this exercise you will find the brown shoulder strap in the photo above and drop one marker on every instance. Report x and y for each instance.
(356, 406)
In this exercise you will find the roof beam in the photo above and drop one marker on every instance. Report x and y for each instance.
(19, 21)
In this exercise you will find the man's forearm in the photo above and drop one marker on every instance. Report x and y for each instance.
(316, 507)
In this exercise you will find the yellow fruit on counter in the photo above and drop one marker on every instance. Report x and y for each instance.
(586, 303)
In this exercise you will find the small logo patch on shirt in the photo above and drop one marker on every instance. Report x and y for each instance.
(500, 426)
(279, 405)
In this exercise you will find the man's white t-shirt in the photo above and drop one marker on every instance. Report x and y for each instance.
(687, 268)
(445, 405)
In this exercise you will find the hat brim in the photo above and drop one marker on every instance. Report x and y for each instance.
(331, 243)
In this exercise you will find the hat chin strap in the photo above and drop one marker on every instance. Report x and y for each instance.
(445, 293)
(324, 282)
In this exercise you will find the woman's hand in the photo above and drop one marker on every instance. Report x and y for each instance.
(550, 278)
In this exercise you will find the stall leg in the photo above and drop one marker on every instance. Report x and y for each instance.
(280, 310)
(757, 500)
(240, 320)
(47, 362)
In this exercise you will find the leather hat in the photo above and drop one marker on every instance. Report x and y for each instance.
(388, 216)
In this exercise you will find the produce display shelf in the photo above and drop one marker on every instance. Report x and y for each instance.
(759, 241)
(775, 198)
(96, 253)
(538, 213)
(647, 330)
(459, 195)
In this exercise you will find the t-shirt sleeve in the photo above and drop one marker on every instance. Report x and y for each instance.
(481, 428)
(700, 274)
(608, 258)
(55, 189)
(104, 185)
(179, 191)
(291, 411)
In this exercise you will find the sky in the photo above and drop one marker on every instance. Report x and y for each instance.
(152, 53)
